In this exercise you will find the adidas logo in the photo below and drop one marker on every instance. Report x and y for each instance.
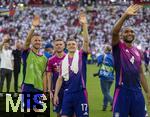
(86, 113)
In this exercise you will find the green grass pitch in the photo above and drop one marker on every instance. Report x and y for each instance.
(94, 94)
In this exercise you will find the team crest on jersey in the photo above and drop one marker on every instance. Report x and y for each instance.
(86, 113)
(127, 50)
(132, 60)
(55, 63)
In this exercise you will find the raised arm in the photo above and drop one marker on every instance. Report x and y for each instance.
(83, 22)
(35, 22)
(6, 38)
(132, 10)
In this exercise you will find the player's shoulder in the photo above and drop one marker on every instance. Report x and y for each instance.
(136, 48)
(82, 52)
(45, 58)
(120, 44)
(26, 51)
(137, 51)
(53, 58)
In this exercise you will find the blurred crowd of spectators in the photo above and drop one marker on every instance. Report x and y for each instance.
(62, 2)
(61, 21)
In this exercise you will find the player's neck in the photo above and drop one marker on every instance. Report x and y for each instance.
(60, 55)
(129, 45)
(71, 54)
(35, 50)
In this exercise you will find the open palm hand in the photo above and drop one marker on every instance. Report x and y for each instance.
(132, 10)
(36, 20)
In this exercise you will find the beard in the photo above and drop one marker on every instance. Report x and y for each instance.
(59, 51)
(35, 47)
(128, 41)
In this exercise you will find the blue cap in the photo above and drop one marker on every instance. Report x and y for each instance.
(48, 45)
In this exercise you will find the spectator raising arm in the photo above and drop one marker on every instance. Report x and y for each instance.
(6, 39)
